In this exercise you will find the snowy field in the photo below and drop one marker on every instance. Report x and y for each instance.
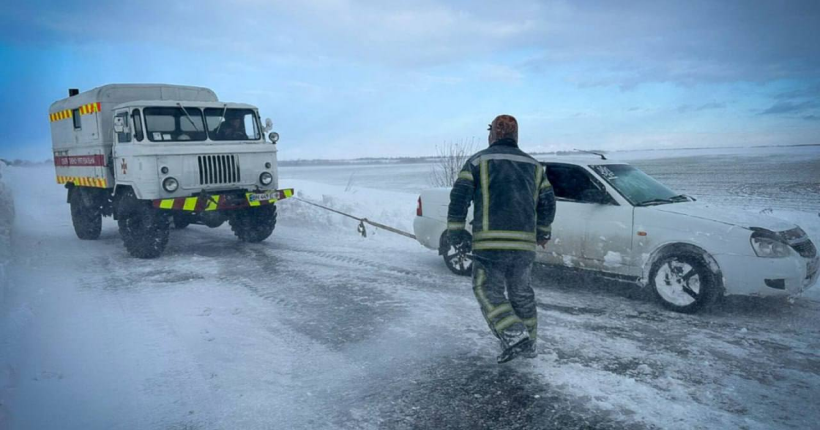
(320, 328)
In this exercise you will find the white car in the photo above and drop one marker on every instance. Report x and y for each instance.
(616, 220)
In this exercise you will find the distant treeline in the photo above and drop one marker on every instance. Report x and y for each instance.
(26, 163)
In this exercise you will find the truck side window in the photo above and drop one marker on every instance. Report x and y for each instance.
(137, 118)
(123, 137)
(75, 115)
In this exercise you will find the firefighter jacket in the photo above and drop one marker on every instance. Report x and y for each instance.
(513, 202)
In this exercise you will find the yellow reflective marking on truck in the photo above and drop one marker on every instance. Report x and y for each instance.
(82, 181)
(213, 203)
(190, 204)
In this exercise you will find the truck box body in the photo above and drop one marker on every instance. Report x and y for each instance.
(82, 127)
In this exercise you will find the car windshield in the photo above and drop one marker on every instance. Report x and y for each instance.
(174, 124)
(636, 186)
(232, 124)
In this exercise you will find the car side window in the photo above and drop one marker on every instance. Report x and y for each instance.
(570, 183)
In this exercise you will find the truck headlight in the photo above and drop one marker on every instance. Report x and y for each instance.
(170, 184)
(769, 247)
(265, 178)
(274, 137)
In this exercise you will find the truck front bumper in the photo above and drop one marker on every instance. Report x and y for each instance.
(205, 202)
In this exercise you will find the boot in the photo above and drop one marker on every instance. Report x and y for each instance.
(514, 351)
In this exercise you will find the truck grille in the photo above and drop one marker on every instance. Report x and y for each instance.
(218, 169)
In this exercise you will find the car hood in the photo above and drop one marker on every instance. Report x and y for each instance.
(725, 215)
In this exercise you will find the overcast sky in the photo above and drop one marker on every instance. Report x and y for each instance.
(345, 79)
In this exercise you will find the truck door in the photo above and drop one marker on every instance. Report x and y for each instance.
(122, 143)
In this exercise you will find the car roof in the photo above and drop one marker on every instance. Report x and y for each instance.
(580, 160)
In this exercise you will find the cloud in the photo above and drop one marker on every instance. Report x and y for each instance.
(703, 107)
(625, 44)
(789, 107)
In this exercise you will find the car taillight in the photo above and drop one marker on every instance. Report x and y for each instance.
(418, 209)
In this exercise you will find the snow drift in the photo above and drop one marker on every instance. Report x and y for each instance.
(6, 221)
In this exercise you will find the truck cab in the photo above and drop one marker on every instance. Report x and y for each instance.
(156, 155)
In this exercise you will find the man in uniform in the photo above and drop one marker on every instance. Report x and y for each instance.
(513, 209)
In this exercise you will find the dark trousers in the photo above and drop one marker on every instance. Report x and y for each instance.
(502, 287)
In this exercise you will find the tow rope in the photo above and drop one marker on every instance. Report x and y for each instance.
(361, 228)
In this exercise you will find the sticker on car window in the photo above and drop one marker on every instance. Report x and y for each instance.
(605, 172)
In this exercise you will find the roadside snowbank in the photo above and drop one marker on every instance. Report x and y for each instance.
(6, 221)
(395, 209)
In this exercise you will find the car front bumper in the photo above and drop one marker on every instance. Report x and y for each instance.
(748, 275)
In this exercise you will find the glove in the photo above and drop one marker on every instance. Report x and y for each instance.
(543, 239)
(460, 239)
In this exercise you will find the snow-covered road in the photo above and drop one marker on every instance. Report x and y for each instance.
(320, 328)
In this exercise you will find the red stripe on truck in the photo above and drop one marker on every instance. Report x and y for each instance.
(79, 160)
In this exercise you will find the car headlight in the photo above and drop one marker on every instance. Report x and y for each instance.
(767, 246)
(170, 184)
(265, 178)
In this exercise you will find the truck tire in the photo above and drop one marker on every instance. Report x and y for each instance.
(683, 282)
(144, 231)
(181, 220)
(254, 224)
(87, 219)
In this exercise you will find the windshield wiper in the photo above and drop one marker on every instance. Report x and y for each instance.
(674, 199)
(188, 116)
(682, 197)
(651, 202)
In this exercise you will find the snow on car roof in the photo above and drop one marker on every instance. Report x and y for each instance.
(583, 160)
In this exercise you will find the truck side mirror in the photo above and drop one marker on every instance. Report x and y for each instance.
(119, 124)
(268, 125)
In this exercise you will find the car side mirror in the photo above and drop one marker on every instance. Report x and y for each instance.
(595, 195)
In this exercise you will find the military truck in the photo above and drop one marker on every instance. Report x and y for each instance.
(155, 155)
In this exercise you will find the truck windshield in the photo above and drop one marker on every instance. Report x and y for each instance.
(636, 186)
(238, 124)
(171, 124)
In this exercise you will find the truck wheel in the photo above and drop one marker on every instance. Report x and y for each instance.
(456, 261)
(87, 219)
(181, 220)
(254, 224)
(683, 282)
(144, 231)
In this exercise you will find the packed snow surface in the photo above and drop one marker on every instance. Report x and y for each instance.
(320, 328)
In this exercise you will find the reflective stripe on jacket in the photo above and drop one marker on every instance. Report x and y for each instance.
(513, 202)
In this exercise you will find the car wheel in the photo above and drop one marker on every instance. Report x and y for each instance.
(683, 282)
(457, 261)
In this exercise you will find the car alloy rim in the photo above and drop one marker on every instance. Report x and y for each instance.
(678, 283)
(458, 259)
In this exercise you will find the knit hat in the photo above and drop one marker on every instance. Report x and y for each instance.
(504, 127)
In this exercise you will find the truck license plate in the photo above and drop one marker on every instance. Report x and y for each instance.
(262, 197)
